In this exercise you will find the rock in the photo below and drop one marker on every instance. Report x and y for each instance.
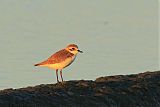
(135, 90)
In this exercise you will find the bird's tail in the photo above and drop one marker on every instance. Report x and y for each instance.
(37, 64)
(41, 63)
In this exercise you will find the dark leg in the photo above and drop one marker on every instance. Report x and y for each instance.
(61, 75)
(57, 75)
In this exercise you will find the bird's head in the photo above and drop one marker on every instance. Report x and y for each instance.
(72, 48)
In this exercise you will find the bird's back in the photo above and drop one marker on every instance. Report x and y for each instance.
(58, 57)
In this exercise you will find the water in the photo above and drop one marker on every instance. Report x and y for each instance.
(117, 37)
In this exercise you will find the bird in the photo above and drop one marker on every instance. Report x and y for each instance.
(61, 59)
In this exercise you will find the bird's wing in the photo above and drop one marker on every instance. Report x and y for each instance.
(57, 57)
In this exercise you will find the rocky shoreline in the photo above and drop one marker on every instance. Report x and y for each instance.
(135, 90)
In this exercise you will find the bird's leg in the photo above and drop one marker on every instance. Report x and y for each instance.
(57, 75)
(61, 75)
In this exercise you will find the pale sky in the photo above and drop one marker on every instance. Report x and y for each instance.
(117, 37)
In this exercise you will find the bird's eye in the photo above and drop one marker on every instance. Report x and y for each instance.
(72, 49)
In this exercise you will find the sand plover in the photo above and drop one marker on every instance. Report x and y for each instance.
(61, 59)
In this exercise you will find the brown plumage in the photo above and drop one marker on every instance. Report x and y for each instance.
(56, 58)
(72, 45)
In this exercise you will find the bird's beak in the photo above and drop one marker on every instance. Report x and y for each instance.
(80, 51)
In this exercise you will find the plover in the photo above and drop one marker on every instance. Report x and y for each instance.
(61, 59)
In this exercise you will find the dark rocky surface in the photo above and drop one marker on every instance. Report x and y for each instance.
(135, 90)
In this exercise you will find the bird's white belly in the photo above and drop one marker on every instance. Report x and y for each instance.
(61, 65)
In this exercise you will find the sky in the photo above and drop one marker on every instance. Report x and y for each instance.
(117, 38)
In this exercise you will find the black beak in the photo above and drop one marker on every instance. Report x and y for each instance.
(80, 51)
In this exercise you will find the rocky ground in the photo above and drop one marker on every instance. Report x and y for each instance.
(136, 90)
